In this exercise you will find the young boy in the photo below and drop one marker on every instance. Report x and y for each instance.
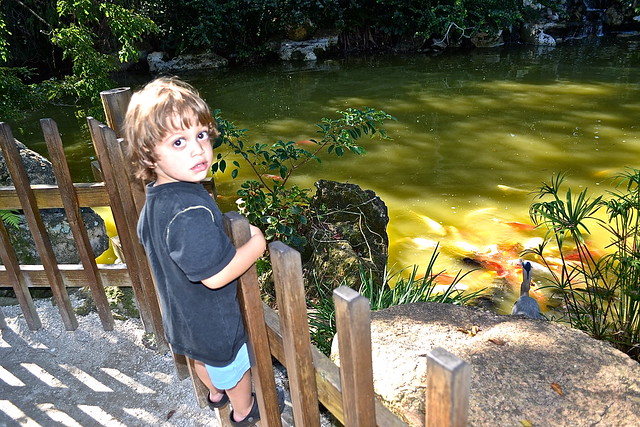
(168, 132)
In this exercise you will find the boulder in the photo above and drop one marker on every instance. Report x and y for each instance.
(534, 34)
(523, 371)
(160, 63)
(40, 171)
(483, 39)
(307, 50)
(349, 231)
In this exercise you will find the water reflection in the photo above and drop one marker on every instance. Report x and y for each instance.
(476, 133)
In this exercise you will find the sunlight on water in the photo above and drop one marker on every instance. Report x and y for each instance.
(476, 134)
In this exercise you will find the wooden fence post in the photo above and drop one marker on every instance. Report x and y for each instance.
(36, 226)
(353, 322)
(115, 103)
(19, 282)
(447, 396)
(74, 217)
(237, 228)
(292, 310)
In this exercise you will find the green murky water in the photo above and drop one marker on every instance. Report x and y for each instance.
(476, 133)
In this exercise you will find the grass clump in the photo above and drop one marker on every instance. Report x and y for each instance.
(395, 290)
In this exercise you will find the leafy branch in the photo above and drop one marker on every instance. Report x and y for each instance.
(337, 136)
(267, 202)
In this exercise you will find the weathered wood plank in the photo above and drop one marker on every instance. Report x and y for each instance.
(120, 218)
(353, 322)
(290, 296)
(237, 228)
(18, 281)
(90, 194)
(115, 103)
(73, 275)
(327, 375)
(74, 217)
(447, 395)
(139, 264)
(36, 226)
(48, 196)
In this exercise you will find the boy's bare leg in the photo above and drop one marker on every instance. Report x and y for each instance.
(214, 394)
(241, 397)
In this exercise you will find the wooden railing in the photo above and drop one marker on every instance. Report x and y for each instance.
(346, 391)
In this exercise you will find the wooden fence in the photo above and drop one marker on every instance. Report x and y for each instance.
(347, 392)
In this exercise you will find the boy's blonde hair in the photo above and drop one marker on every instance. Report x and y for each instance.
(149, 119)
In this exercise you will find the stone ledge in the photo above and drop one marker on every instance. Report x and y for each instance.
(514, 362)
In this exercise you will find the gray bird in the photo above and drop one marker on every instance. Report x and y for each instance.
(525, 305)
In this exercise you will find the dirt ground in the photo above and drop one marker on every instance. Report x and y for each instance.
(89, 377)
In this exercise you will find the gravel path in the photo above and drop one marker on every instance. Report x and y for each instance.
(89, 377)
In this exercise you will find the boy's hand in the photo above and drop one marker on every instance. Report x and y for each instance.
(254, 230)
(256, 233)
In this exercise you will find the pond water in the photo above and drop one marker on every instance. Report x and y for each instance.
(476, 133)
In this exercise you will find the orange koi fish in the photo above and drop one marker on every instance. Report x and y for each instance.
(521, 226)
(307, 142)
(271, 176)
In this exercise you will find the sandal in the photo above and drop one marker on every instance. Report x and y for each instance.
(219, 404)
(252, 418)
(254, 414)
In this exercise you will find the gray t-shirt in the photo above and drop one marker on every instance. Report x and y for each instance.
(181, 229)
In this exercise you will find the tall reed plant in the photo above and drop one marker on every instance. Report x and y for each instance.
(395, 290)
(600, 293)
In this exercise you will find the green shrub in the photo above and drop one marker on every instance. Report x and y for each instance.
(17, 97)
(282, 212)
(10, 218)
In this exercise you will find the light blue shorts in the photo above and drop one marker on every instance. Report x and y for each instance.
(228, 376)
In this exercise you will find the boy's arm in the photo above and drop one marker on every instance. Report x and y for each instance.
(244, 258)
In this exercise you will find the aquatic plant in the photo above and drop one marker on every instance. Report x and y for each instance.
(601, 294)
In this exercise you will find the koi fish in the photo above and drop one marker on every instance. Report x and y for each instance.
(575, 256)
(508, 189)
(424, 243)
(482, 211)
(521, 226)
(535, 266)
(434, 225)
(441, 289)
(605, 173)
(273, 177)
(533, 243)
(307, 142)
(463, 249)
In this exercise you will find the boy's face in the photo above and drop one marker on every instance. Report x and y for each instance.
(184, 154)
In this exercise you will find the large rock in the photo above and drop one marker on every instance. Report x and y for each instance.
(349, 231)
(534, 34)
(307, 50)
(524, 372)
(40, 171)
(159, 62)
